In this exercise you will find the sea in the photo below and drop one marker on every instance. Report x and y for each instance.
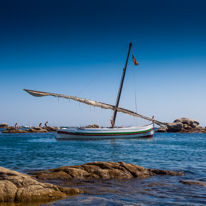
(170, 151)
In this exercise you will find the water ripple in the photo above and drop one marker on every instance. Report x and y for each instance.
(177, 152)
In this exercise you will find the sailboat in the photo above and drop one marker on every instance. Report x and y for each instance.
(112, 132)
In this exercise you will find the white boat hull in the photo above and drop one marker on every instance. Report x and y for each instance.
(106, 133)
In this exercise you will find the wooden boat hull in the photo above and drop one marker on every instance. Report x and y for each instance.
(106, 133)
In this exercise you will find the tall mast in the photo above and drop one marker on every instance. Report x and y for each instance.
(120, 88)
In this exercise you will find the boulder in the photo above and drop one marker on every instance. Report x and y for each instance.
(15, 186)
(174, 127)
(185, 126)
(8, 191)
(8, 130)
(39, 130)
(11, 128)
(200, 128)
(161, 129)
(193, 125)
(42, 130)
(171, 127)
(51, 129)
(185, 120)
(3, 125)
(100, 170)
(36, 128)
(93, 126)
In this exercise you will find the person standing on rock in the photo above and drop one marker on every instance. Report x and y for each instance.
(46, 123)
(40, 125)
(16, 127)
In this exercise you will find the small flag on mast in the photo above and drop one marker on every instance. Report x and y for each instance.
(135, 61)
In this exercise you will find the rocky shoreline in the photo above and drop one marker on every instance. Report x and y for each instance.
(29, 130)
(19, 187)
(100, 170)
(181, 125)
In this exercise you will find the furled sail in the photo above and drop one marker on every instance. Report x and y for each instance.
(93, 103)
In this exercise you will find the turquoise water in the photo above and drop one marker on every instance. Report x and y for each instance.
(177, 152)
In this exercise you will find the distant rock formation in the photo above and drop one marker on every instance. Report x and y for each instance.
(31, 130)
(15, 186)
(101, 170)
(185, 121)
(184, 125)
(93, 126)
(3, 125)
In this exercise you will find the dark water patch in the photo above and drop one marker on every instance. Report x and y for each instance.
(150, 191)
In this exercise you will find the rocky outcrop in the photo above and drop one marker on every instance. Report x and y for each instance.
(161, 129)
(15, 186)
(101, 170)
(93, 126)
(184, 125)
(31, 130)
(185, 120)
(192, 182)
(174, 127)
(36, 130)
(51, 129)
(3, 125)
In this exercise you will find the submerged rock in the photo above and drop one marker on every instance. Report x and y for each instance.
(191, 182)
(15, 186)
(165, 172)
(100, 170)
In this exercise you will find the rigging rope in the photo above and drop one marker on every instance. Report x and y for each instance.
(99, 73)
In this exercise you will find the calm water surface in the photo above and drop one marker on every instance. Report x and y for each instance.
(177, 152)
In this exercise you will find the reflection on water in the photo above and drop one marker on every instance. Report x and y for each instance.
(178, 152)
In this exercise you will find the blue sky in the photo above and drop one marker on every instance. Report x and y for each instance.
(60, 46)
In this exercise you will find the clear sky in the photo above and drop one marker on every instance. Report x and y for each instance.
(61, 46)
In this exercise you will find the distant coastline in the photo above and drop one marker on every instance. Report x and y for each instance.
(181, 125)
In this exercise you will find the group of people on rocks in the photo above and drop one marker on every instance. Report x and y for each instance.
(16, 125)
(44, 124)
